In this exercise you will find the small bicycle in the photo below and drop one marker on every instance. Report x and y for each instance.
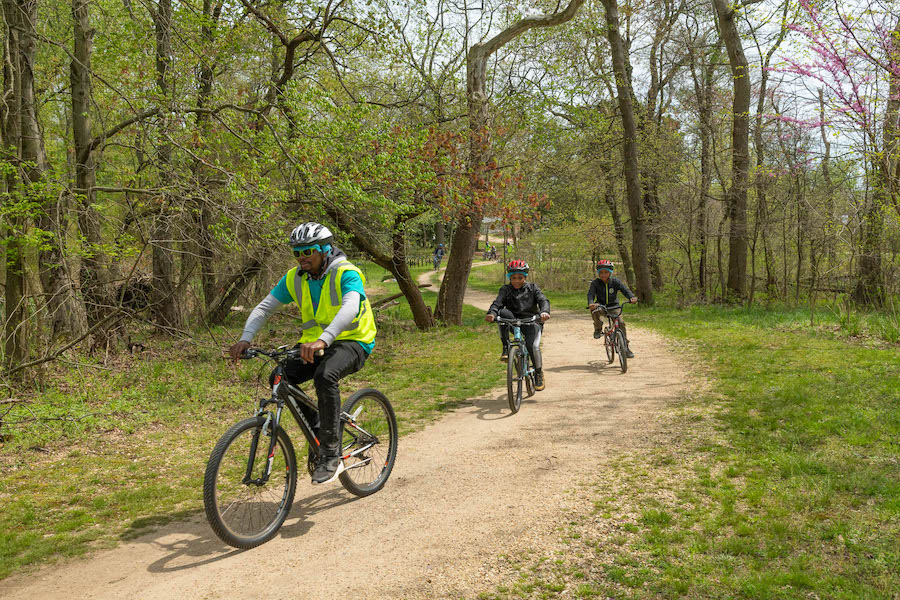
(613, 338)
(251, 476)
(519, 369)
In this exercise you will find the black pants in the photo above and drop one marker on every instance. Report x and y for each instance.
(532, 334)
(598, 323)
(340, 359)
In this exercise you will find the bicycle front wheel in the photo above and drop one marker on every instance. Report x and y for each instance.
(244, 508)
(369, 442)
(514, 376)
(620, 348)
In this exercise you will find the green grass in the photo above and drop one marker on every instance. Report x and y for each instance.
(782, 481)
(104, 452)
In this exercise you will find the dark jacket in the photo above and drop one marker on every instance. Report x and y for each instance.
(606, 293)
(526, 301)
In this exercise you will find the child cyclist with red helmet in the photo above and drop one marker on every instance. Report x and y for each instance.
(604, 292)
(518, 299)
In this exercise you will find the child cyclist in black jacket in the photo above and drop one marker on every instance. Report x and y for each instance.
(518, 299)
(604, 292)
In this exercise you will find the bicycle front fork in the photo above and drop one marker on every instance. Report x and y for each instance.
(269, 428)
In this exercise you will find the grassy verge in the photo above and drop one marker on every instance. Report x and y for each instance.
(104, 450)
(781, 480)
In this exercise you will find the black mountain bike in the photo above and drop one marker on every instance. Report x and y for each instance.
(613, 337)
(519, 369)
(251, 476)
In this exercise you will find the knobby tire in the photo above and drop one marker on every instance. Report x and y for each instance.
(620, 348)
(609, 341)
(247, 514)
(513, 380)
(369, 449)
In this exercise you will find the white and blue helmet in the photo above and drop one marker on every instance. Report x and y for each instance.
(309, 234)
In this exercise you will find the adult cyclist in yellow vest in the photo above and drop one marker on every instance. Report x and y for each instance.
(336, 317)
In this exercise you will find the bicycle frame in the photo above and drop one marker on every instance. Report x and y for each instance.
(612, 321)
(519, 340)
(284, 394)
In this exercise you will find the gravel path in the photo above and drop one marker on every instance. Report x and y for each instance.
(477, 484)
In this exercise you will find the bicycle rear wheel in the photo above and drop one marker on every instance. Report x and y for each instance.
(514, 378)
(620, 348)
(610, 342)
(369, 442)
(241, 508)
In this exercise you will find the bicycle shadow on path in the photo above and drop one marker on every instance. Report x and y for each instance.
(192, 544)
(497, 408)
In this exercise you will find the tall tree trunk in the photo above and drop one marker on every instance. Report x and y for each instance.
(204, 219)
(14, 336)
(439, 232)
(643, 284)
(453, 289)
(59, 299)
(736, 197)
(609, 197)
(97, 273)
(166, 309)
(703, 72)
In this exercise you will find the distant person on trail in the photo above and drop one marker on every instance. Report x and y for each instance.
(337, 318)
(437, 256)
(518, 299)
(604, 292)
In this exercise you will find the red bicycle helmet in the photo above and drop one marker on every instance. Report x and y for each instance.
(605, 264)
(517, 266)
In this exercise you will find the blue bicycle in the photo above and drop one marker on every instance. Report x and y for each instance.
(519, 368)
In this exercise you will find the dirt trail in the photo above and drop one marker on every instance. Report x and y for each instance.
(477, 484)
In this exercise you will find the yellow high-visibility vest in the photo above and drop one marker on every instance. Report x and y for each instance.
(362, 329)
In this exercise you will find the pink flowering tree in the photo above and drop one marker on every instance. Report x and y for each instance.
(853, 53)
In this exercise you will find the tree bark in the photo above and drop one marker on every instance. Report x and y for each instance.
(97, 272)
(643, 284)
(204, 216)
(609, 196)
(14, 333)
(736, 198)
(166, 310)
(59, 299)
(703, 72)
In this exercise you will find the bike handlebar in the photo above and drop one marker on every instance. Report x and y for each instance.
(606, 309)
(289, 353)
(517, 322)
